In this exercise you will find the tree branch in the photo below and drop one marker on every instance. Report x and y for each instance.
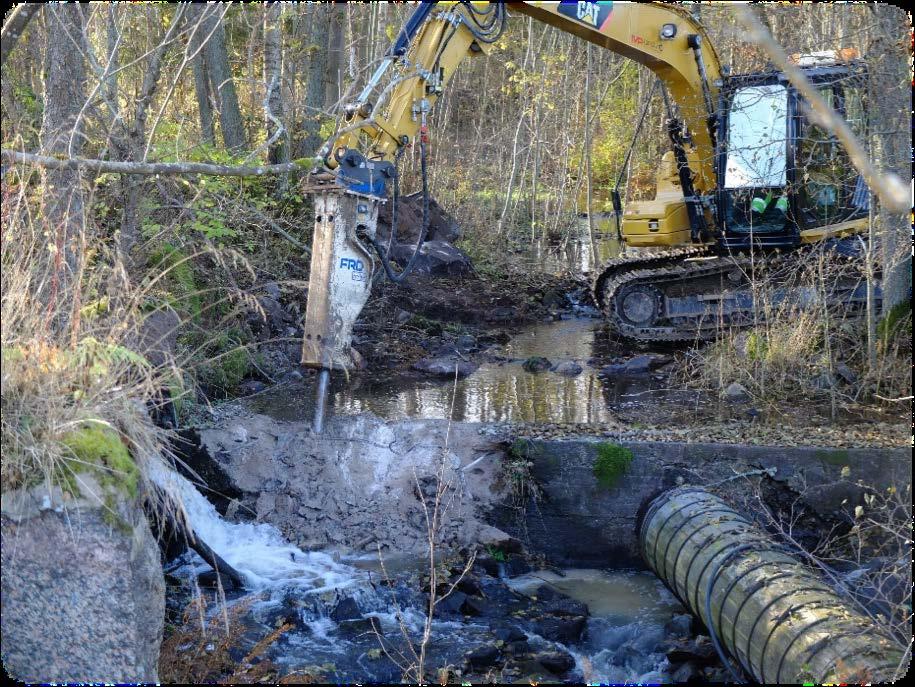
(888, 187)
(166, 168)
(13, 27)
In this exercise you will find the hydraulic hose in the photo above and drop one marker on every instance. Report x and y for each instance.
(394, 276)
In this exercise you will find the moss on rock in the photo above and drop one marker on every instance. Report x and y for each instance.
(612, 462)
(99, 449)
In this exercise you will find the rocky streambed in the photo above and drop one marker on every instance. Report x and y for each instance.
(331, 617)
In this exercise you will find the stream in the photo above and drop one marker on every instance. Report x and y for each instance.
(352, 619)
(345, 623)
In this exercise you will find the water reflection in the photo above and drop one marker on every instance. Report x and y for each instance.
(499, 391)
(577, 254)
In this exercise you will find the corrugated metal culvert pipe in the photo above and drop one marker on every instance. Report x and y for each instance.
(764, 607)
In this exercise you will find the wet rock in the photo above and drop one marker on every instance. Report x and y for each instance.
(502, 314)
(554, 299)
(558, 603)
(436, 258)
(403, 316)
(516, 565)
(679, 626)
(444, 367)
(483, 657)
(510, 634)
(639, 365)
(346, 609)
(470, 585)
(537, 364)
(488, 565)
(688, 672)
(360, 626)
(465, 342)
(249, 387)
(568, 368)
(518, 647)
(210, 579)
(735, 393)
(563, 629)
(474, 606)
(699, 651)
(452, 603)
(557, 662)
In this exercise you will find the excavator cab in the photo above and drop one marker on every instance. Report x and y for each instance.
(783, 178)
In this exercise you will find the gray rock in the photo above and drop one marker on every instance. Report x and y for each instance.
(249, 387)
(272, 289)
(157, 337)
(403, 316)
(846, 373)
(825, 381)
(679, 626)
(436, 258)
(444, 367)
(569, 368)
(82, 601)
(346, 609)
(465, 342)
(537, 364)
(442, 226)
(736, 393)
(502, 314)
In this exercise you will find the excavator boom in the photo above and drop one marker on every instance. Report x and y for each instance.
(708, 203)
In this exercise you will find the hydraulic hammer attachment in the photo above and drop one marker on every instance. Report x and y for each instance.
(339, 284)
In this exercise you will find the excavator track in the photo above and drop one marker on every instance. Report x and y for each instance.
(693, 293)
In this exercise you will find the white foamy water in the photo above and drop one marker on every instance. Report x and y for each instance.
(256, 550)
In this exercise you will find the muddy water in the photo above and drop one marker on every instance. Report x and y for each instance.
(500, 390)
(628, 625)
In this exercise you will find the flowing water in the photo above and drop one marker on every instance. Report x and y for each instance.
(622, 642)
(627, 628)
(628, 609)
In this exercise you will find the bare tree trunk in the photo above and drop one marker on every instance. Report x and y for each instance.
(332, 24)
(320, 92)
(13, 27)
(61, 135)
(220, 75)
(892, 103)
(273, 69)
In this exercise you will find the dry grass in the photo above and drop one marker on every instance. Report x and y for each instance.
(817, 353)
(69, 361)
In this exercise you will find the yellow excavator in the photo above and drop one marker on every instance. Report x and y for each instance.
(731, 188)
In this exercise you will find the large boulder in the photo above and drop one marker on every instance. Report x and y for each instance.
(83, 592)
(442, 226)
(436, 258)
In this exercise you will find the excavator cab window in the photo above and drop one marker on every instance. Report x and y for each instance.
(829, 189)
(756, 159)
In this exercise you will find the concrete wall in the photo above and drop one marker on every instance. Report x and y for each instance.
(576, 521)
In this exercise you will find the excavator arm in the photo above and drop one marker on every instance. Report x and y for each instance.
(393, 108)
